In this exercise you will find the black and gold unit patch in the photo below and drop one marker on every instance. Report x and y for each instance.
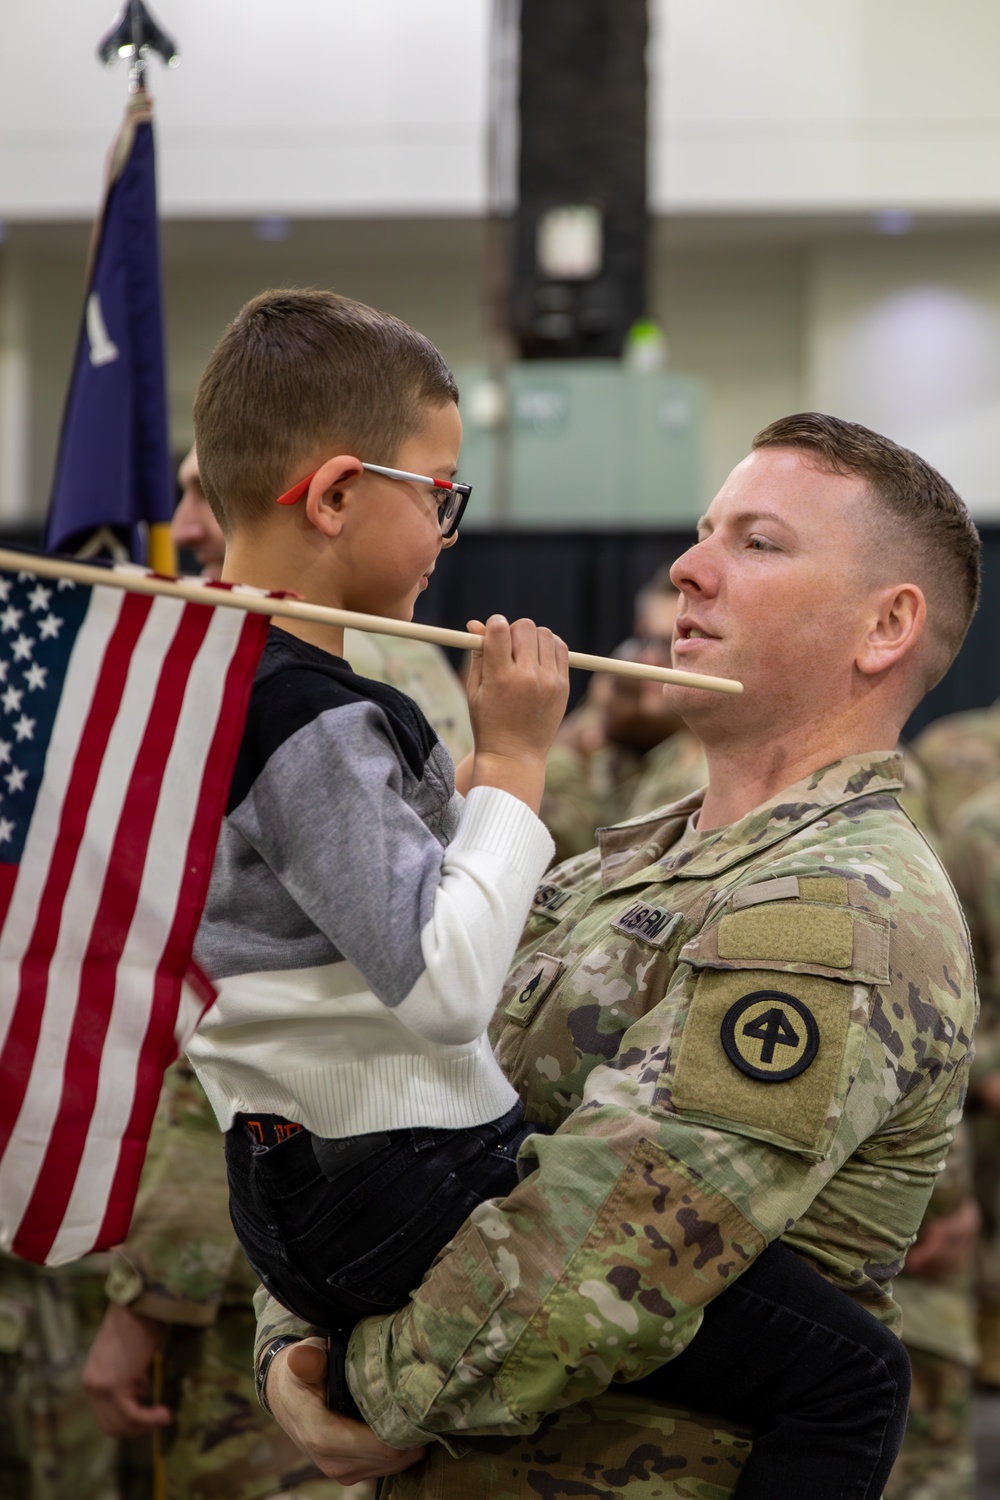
(770, 1035)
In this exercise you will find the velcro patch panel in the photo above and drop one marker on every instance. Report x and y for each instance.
(843, 942)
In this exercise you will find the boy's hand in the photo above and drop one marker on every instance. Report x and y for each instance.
(340, 1448)
(518, 686)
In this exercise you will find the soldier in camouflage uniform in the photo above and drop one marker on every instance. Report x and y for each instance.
(935, 1292)
(749, 1016)
(51, 1448)
(615, 785)
(180, 1284)
(961, 755)
(937, 1459)
(972, 855)
(624, 750)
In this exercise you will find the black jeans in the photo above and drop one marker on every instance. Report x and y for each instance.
(340, 1230)
(824, 1385)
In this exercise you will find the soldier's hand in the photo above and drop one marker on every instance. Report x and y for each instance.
(340, 1448)
(945, 1246)
(987, 1092)
(116, 1374)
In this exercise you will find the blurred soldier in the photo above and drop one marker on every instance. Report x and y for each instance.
(972, 855)
(51, 1448)
(960, 754)
(179, 1287)
(193, 528)
(935, 1292)
(937, 1460)
(624, 751)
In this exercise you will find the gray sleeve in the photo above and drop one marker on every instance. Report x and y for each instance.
(335, 816)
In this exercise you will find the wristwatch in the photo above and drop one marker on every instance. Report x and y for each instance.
(264, 1364)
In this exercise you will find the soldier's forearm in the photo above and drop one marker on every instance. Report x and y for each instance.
(274, 1320)
(595, 1268)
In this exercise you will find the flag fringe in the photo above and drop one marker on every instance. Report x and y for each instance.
(256, 601)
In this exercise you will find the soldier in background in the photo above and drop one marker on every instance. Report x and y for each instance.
(51, 1447)
(936, 1294)
(960, 754)
(624, 751)
(180, 1284)
(180, 1288)
(972, 856)
(961, 757)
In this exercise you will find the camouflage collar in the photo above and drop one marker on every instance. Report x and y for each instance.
(641, 844)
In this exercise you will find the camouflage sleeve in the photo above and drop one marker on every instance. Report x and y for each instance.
(274, 1320)
(953, 1185)
(660, 1189)
(181, 1250)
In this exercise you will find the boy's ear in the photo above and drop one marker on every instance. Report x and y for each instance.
(328, 492)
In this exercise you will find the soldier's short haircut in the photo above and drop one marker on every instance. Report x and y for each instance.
(917, 518)
(297, 377)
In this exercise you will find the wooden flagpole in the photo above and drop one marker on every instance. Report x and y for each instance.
(194, 591)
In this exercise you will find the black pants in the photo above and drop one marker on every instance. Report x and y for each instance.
(340, 1230)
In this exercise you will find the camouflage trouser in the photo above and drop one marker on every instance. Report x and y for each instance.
(50, 1445)
(221, 1446)
(610, 1449)
(937, 1461)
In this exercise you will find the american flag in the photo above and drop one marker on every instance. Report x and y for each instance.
(120, 719)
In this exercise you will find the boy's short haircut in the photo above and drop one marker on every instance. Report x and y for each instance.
(297, 377)
(918, 524)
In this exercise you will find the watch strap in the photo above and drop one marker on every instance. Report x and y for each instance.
(264, 1364)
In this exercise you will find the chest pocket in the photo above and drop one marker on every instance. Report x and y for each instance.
(778, 1020)
(551, 905)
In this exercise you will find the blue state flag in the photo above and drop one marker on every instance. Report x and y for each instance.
(113, 469)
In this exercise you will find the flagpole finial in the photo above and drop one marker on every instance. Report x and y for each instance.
(134, 36)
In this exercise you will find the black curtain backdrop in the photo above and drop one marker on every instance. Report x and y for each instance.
(582, 585)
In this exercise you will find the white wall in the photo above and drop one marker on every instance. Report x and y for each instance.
(319, 107)
(278, 106)
(790, 104)
(905, 337)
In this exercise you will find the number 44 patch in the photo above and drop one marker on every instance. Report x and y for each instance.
(770, 1035)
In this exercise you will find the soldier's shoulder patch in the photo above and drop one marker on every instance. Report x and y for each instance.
(770, 1035)
(652, 924)
(770, 1055)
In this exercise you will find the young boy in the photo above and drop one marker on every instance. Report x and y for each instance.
(361, 916)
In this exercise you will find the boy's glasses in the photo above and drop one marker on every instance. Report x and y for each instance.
(452, 497)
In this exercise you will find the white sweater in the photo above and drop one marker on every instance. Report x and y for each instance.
(361, 918)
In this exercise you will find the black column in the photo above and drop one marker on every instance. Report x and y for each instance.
(583, 143)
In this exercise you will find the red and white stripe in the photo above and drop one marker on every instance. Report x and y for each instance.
(97, 989)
